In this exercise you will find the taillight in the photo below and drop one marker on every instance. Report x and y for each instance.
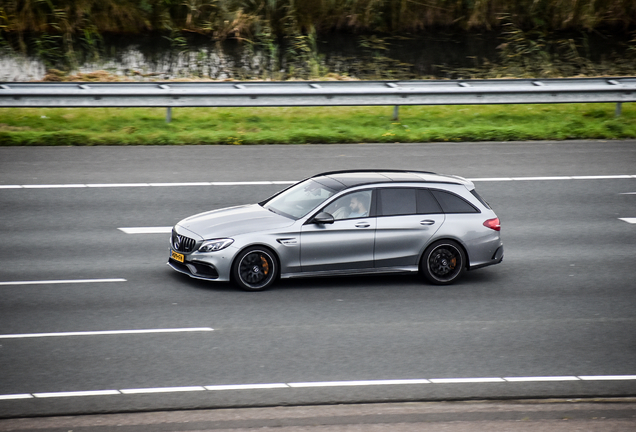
(493, 224)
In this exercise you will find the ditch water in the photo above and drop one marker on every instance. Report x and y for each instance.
(155, 57)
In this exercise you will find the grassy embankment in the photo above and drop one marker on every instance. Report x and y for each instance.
(242, 126)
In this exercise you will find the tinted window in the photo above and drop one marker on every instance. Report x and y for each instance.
(452, 203)
(481, 200)
(426, 203)
(397, 201)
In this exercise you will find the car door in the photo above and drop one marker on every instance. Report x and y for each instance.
(407, 219)
(347, 243)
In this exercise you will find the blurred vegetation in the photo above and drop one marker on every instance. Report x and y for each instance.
(65, 33)
(288, 18)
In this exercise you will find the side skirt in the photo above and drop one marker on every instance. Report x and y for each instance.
(353, 272)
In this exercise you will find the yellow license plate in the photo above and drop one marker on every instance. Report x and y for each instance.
(177, 256)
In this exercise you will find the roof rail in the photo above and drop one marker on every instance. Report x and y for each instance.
(372, 171)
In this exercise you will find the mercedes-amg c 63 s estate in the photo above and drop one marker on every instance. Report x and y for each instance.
(344, 223)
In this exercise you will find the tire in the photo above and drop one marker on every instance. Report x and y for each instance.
(255, 269)
(443, 262)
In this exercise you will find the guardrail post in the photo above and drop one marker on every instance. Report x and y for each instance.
(396, 113)
(619, 109)
(168, 114)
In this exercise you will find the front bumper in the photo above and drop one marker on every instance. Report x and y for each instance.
(195, 269)
(213, 266)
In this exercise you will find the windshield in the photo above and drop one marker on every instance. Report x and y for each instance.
(299, 200)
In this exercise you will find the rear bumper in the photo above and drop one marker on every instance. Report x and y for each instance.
(496, 259)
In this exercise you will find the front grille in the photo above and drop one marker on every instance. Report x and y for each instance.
(196, 269)
(182, 243)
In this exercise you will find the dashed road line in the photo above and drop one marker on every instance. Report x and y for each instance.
(318, 384)
(247, 386)
(542, 379)
(137, 185)
(16, 396)
(287, 182)
(68, 281)
(105, 332)
(77, 393)
(607, 377)
(147, 230)
(162, 390)
(465, 380)
(358, 383)
(549, 178)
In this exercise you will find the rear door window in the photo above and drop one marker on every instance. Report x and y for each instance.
(396, 201)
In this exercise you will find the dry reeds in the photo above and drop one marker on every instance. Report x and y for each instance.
(241, 18)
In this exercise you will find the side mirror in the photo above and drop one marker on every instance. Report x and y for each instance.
(323, 218)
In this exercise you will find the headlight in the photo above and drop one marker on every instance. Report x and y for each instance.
(215, 245)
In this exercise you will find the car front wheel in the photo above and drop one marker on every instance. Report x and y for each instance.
(254, 269)
(443, 262)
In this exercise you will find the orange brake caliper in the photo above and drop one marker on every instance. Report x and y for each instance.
(265, 265)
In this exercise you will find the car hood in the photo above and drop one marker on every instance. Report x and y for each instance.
(233, 221)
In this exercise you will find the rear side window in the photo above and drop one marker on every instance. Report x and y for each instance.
(481, 200)
(452, 203)
(396, 201)
(426, 203)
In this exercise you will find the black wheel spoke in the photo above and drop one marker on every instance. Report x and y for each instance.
(445, 263)
(256, 269)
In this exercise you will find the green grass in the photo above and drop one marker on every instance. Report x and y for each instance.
(324, 125)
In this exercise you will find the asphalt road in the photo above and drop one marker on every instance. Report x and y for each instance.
(555, 319)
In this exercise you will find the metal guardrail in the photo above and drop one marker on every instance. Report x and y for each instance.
(319, 93)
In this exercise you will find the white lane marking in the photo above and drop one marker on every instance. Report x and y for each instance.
(624, 176)
(608, 378)
(147, 230)
(116, 185)
(135, 185)
(287, 182)
(77, 393)
(541, 178)
(359, 383)
(246, 386)
(465, 380)
(541, 379)
(58, 186)
(162, 390)
(69, 281)
(606, 177)
(179, 184)
(16, 396)
(438, 381)
(105, 332)
(629, 220)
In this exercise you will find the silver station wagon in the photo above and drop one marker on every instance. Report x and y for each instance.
(344, 223)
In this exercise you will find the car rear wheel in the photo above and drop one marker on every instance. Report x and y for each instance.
(254, 269)
(443, 262)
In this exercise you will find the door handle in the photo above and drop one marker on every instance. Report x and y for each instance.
(363, 225)
(427, 222)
